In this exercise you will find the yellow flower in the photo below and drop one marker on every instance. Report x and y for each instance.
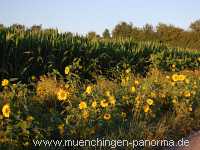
(67, 86)
(123, 83)
(133, 89)
(162, 95)
(175, 77)
(6, 110)
(137, 98)
(127, 78)
(136, 82)
(67, 70)
(190, 108)
(182, 77)
(173, 83)
(88, 90)
(153, 94)
(94, 104)
(187, 81)
(107, 116)
(33, 78)
(62, 95)
(30, 118)
(149, 101)
(123, 114)
(174, 101)
(82, 105)
(107, 93)
(146, 108)
(61, 128)
(173, 66)
(4, 82)
(187, 94)
(193, 92)
(128, 70)
(14, 85)
(85, 114)
(125, 98)
(104, 103)
(112, 100)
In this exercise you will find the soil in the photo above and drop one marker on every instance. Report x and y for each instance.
(194, 143)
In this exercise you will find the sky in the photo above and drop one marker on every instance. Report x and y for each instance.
(82, 16)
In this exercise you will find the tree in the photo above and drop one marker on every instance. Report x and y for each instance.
(169, 33)
(195, 26)
(36, 27)
(69, 34)
(17, 27)
(92, 35)
(123, 29)
(148, 28)
(148, 33)
(1, 25)
(106, 34)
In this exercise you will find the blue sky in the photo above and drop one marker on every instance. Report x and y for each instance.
(95, 15)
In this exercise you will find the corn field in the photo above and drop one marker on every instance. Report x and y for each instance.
(26, 52)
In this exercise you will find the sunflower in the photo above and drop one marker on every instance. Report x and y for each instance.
(6, 110)
(123, 82)
(150, 101)
(153, 95)
(62, 95)
(107, 116)
(67, 70)
(127, 79)
(85, 114)
(33, 78)
(173, 66)
(187, 94)
(104, 103)
(82, 105)
(123, 114)
(107, 93)
(133, 89)
(94, 104)
(125, 98)
(112, 100)
(136, 82)
(146, 108)
(5, 82)
(174, 101)
(14, 85)
(190, 109)
(29, 118)
(61, 128)
(173, 83)
(187, 81)
(88, 90)
(128, 70)
(175, 77)
(182, 77)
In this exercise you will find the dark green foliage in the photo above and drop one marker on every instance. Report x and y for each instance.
(35, 52)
